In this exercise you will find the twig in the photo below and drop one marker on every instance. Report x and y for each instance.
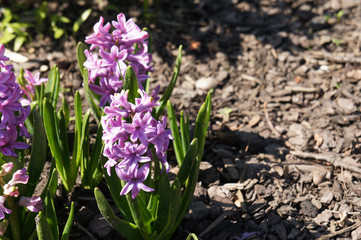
(344, 58)
(330, 158)
(215, 223)
(342, 231)
(84, 230)
(301, 89)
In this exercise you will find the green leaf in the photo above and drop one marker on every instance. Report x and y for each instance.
(184, 129)
(131, 84)
(52, 131)
(95, 109)
(69, 223)
(58, 32)
(38, 152)
(51, 90)
(95, 169)
(6, 37)
(126, 229)
(81, 56)
(19, 41)
(168, 92)
(163, 206)
(66, 112)
(40, 13)
(7, 16)
(53, 183)
(174, 206)
(50, 214)
(43, 228)
(200, 131)
(115, 186)
(83, 17)
(175, 133)
(192, 236)
(188, 162)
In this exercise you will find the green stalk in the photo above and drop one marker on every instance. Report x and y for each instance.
(134, 209)
(14, 221)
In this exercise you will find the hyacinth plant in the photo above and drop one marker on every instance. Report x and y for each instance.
(135, 136)
(18, 204)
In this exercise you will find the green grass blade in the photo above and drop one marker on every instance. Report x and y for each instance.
(168, 92)
(69, 223)
(175, 132)
(126, 229)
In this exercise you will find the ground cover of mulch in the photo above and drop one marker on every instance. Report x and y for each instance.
(282, 160)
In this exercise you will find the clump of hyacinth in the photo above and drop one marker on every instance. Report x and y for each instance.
(129, 133)
(10, 189)
(13, 109)
(125, 45)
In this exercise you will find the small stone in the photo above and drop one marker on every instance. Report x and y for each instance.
(326, 196)
(206, 83)
(324, 217)
(219, 191)
(308, 209)
(347, 105)
(319, 176)
(44, 68)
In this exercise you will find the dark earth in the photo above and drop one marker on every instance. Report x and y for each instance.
(282, 159)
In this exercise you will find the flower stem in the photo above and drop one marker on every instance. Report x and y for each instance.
(14, 220)
(134, 208)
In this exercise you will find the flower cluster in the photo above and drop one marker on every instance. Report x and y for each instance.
(10, 189)
(13, 109)
(129, 134)
(125, 45)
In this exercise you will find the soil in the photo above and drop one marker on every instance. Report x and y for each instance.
(282, 159)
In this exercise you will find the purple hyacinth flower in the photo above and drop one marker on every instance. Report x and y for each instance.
(19, 177)
(8, 137)
(94, 66)
(139, 128)
(162, 136)
(6, 168)
(101, 37)
(3, 209)
(134, 180)
(132, 154)
(145, 103)
(34, 80)
(33, 204)
(127, 32)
